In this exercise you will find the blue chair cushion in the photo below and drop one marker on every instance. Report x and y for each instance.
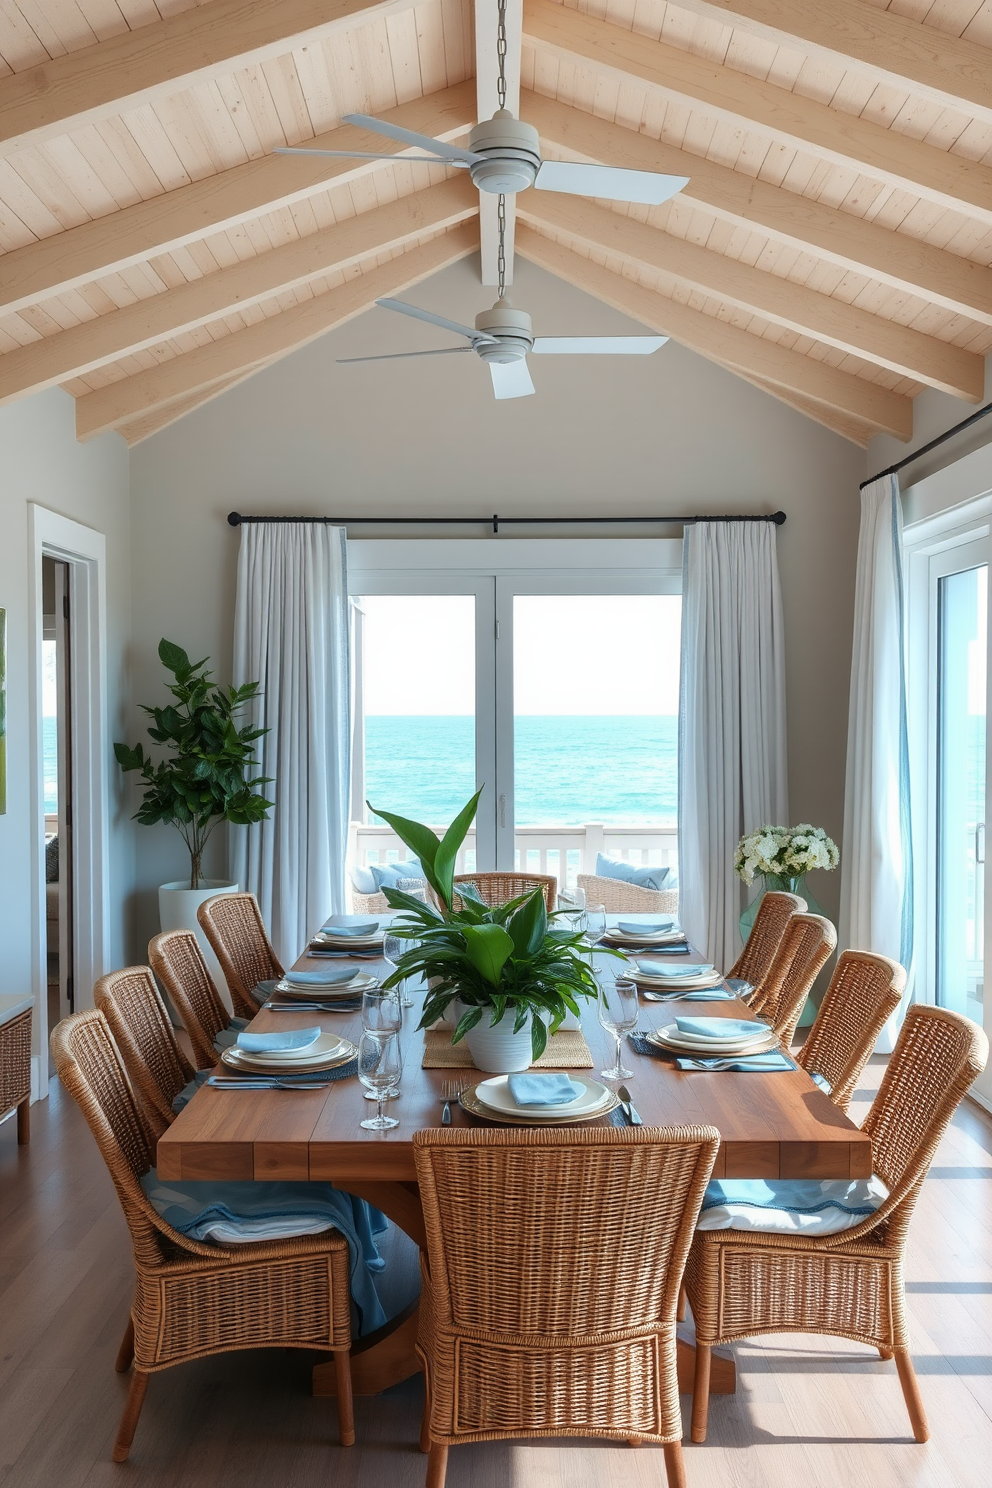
(645, 875)
(797, 1205)
(388, 875)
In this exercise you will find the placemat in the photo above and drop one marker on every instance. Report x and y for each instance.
(318, 1077)
(739, 1064)
(567, 1049)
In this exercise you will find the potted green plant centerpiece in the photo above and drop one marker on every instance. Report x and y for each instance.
(510, 975)
(206, 777)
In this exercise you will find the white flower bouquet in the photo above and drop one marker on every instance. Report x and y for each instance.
(784, 852)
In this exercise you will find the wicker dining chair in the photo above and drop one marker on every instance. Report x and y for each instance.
(864, 991)
(755, 960)
(550, 1280)
(807, 945)
(234, 927)
(500, 888)
(156, 1065)
(191, 1299)
(176, 959)
(745, 1282)
(619, 897)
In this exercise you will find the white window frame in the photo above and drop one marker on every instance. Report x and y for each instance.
(495, 570)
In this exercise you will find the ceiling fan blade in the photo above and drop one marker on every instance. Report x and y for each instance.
(409, 137)
(439, 320)
(608, 181)
(397, 356)
(368, 155)
(511, 379)
(597, 345)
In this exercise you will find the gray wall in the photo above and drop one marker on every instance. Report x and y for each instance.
(668, 433)
(933, 412)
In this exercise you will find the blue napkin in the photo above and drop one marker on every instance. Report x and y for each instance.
(328, 976)
(543, 1090)
(645, 927)
(707, 994)
(665, 969)
(756, 1063)
(364, 927)
(271, 1043)
(720, 1027)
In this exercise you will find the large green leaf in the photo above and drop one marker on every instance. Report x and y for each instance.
(488, 948)
(420, 839)
(447, 852)
(172, 656)
(528, 928)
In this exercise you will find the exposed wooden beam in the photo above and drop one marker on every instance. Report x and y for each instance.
(894, 258)
(714, 339)
(487, 102)
(119, 333)
(123, 401)
(148, 424)
(953, 72)
(949, 180)
(882, 342)
(68, 259)
(182, 51)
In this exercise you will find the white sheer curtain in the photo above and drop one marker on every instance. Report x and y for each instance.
(876, 889)
(291, 635)
(733, 773)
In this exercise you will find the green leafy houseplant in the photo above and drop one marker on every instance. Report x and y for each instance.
(207, 776)
(504, 960)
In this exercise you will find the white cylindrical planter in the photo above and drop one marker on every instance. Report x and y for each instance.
(177, 906)
(497, 1050)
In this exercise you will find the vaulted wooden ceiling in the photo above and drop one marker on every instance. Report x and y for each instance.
(832, 246)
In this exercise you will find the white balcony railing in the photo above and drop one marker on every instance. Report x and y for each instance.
(563, 851)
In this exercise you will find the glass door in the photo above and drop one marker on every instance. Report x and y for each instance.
(962, 665)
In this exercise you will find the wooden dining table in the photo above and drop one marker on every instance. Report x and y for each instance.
(772, 1125)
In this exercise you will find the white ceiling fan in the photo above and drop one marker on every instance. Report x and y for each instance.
(503, 337)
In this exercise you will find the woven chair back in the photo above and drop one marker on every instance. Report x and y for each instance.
(499, 888)
(864, 991)
(755, 960)
(807, 945)
(560, 1234)
(158, 1068)
(177, 961)
(235, 930)
(619, 897)
(89, 1066)
(937, 1057)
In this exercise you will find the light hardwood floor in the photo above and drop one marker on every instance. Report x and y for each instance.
(812, 1412)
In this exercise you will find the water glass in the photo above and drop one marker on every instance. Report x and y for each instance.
(572, 903)
(382, 1014)
(595, 923)
(393, 947)
(379, 1070)
(618, 1011)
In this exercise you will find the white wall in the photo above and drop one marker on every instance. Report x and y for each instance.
(41, 462)
(668, 433)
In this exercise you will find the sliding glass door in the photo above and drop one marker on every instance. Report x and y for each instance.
(545, 672)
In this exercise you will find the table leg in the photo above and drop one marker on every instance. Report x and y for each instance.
(387, 1356)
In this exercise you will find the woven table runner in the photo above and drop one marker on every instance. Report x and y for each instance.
(566, 1049)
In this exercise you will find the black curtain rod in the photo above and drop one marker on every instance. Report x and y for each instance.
(237, 520)
(926, 448)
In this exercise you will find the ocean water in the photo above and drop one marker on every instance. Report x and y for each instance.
(50, 742)
(569, 770)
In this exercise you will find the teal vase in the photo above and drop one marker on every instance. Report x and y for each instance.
(784, 884)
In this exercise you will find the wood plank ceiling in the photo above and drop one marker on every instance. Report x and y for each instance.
(833, 244)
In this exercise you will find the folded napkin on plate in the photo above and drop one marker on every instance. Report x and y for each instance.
(328, 976)
(742, 1065)
(543, 1090)
(645, 927)
(274, 1043)
(366, 927)
(664, 969)
(721, 1028)
(706, 994)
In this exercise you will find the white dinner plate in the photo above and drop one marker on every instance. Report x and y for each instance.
(495, 1094)
(678, 984)
(325, 991)
(344, 942)
(669, 1037)
(328, 1046)
(655, 938)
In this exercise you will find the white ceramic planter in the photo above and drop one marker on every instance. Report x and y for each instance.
(498, 1050)
(177, 906)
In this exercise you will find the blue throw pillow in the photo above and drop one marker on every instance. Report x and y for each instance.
(388, 875)
(647, 876)
(362, 880)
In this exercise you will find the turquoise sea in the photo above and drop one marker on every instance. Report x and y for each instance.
(569, 770)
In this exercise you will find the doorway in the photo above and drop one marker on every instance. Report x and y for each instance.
(56, 723)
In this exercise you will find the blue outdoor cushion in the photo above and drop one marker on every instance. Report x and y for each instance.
(645, 876)
(362, 880)
(388, 875)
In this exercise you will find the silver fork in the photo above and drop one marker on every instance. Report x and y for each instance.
(450, 1090)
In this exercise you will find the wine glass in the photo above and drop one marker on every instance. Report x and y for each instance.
(393, 947)
(378, 1070)
(595, 923)
(382, 1018)
(572, 903)
(618, 1009)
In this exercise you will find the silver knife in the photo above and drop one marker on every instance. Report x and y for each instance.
(625, 1105)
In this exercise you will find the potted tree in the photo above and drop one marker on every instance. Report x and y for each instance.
(206, 777)
(509, 976)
